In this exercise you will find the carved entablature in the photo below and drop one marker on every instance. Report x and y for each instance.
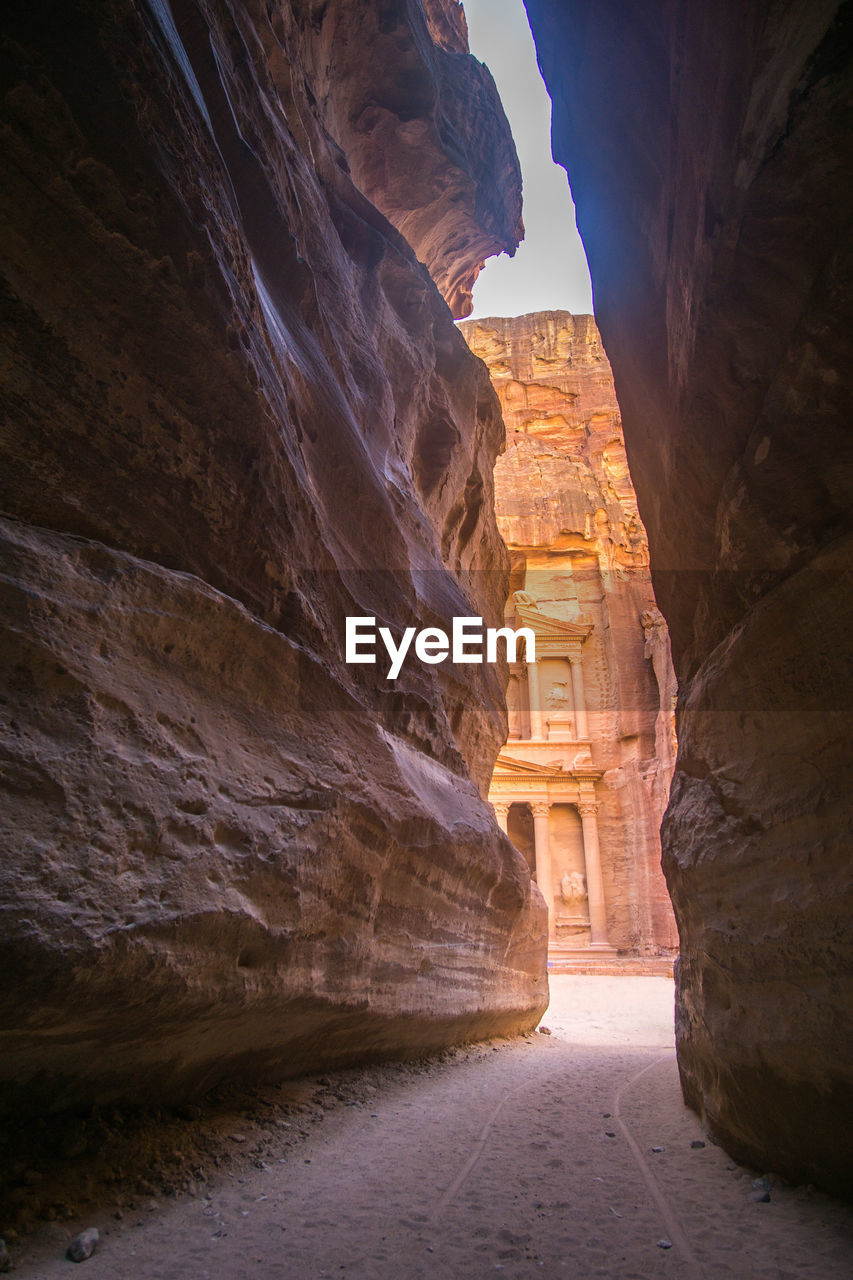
(556, 781)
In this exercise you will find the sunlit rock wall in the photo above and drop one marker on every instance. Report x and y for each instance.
(424, 133)
(237, 410)
(568, 514)
(708, 151)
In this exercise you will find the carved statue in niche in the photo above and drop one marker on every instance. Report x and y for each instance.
(557, 696)
(572, 888)
(657, 648)
(654, 627)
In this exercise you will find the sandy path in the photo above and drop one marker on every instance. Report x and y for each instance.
(523, 1158)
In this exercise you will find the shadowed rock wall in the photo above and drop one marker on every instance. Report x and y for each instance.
(708, 151)
(238, 410)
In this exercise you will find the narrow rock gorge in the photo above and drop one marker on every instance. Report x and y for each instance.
(708, 152)
(238, 411)
(582, 783)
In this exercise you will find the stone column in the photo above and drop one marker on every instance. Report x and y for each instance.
(502, 815)
(537, 730)
(579, 698)
(594, 882)
(542, 841)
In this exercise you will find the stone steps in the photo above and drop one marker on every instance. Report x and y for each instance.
(613, 966)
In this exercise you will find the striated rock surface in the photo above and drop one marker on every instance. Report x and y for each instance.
(708, 151)
(238, 410)
(568, 514)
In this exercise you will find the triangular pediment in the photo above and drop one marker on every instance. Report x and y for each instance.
(509, 764)
(543, 624)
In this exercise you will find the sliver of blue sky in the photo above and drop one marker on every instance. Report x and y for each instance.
(549, 271)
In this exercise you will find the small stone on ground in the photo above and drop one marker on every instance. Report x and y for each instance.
(84, 1245)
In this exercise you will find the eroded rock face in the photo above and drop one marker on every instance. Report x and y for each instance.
(708, 155)
(238, 411)
(424, 133)
(568, 514)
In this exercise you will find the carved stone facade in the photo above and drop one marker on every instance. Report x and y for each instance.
(583, 780)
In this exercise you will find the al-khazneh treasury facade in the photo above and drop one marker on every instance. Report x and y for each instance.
(583, 780)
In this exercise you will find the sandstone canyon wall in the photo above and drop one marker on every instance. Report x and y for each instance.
(708, 150)
(238, 410)
(601, 748)
(424, 134)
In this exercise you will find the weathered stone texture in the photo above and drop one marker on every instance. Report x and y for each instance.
(424, 133)
(708, 151)
(237, 411)
(568, 514)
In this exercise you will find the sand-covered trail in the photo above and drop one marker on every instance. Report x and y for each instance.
(525, 1158)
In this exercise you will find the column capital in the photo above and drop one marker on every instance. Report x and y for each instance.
(540, 808)
(501, 806)
(587, 808)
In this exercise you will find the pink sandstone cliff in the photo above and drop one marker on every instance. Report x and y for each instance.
(424, 134)
(238, 411)
(568, 514)
(708, 148)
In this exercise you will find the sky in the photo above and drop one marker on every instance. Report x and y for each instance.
(549, 270)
